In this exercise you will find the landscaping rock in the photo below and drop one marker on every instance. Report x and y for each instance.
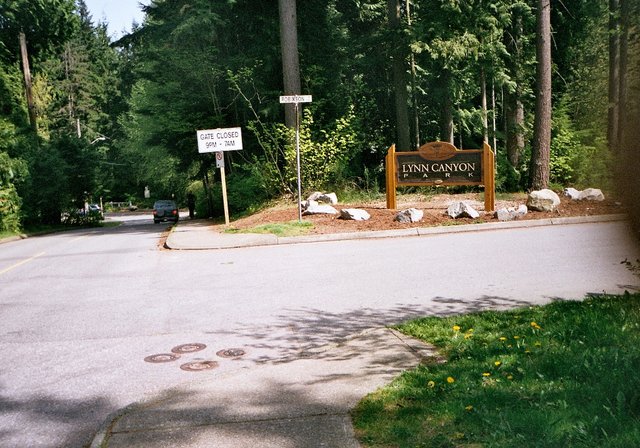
(313, 208)
(572, 193)
(511, 213)
(354, 214)
(327, 198)
(591, 194)
(462, 209)
(543, 200)
(409, 215)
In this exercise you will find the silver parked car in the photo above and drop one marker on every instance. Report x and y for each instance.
(165, 210)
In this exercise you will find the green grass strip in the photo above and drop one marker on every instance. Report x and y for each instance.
(565, 374)
(291, 228)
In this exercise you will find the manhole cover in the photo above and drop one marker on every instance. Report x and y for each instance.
(162, 357)
(230, 353)
(197, 366)
(188, 348)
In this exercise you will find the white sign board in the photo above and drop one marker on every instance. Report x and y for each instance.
(215, 140)
(286, 99)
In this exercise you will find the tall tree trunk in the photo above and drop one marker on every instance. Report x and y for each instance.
(447, 128)
(514, 115)
(485, 114)
(622, 71)
(513, 107)
(414, 96)
(541, 148)
(290, 59)
(27, 82)
(398, 54)
(614, 74)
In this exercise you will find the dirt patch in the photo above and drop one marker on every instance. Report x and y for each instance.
(434, 208)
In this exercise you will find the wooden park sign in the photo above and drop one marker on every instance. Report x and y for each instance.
(441, 163)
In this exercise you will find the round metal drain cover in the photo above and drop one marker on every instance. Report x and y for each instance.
(231, 353)
(197, 366)
(188, 348)
(162, 357)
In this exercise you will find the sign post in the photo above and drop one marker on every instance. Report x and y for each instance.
(218, 141)
(296, 100)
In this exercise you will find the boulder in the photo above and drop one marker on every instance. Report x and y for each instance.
(511, 213)
(572, 193)
(591, 194)
(354, 214)
(327, 198)
(462, 209)
(409, 215)
(543, 200)
(313, 208)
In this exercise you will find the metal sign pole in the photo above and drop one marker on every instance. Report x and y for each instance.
(297, 99)
(298, 163)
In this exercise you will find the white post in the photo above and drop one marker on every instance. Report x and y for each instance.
(224, 195)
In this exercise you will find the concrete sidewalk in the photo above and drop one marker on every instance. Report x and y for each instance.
(292, 403)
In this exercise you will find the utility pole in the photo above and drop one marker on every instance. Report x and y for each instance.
(27, 81)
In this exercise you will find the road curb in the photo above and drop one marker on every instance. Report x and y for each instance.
(214, 240)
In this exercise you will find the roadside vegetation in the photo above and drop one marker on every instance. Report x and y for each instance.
(563, 374)
(116, 119)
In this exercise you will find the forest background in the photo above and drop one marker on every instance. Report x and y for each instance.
(90, 119)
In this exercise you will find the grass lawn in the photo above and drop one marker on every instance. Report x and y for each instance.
(292, 228)
(565, 374)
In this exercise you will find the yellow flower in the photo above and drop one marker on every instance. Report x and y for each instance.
(468, 336)
(469, 408)
(498, 363)
(535, 326)
(516, 337)
(456, 328)
(486, 374)
(450, 380)
(431, 384)
(502, 338)
(509, 377)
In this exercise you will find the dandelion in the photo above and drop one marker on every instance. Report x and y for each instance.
(502, 338)
(516, 337)
(468, 408)
(468, 336)
(509, 377)
(450, 380)
(497, 363)
(535, 326)
(485, 374)
(456, 328)
(431, 384)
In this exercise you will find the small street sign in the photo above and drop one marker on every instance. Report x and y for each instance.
(287, 99)
(215, 140)
(219, 159)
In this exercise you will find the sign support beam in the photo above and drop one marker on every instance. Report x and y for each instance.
(297, 99)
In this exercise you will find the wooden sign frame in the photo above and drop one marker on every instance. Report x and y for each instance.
(441, 163)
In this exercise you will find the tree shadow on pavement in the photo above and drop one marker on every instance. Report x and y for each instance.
(51, 421)
(303, 330)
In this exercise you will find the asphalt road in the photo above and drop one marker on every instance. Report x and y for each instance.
(81, 311)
